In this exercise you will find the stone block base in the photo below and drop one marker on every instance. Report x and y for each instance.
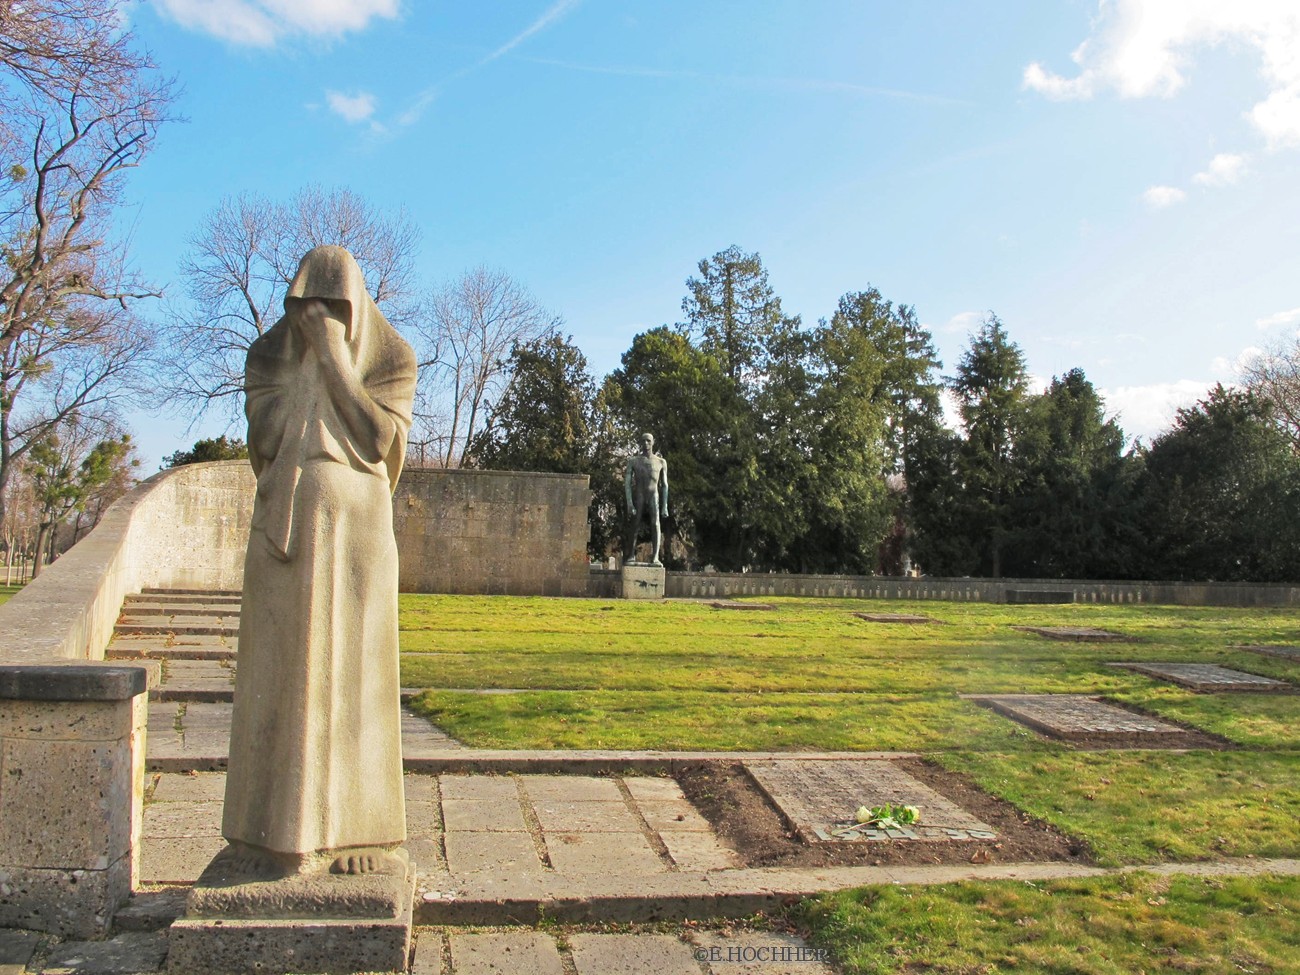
(643, 581)
(328, 924)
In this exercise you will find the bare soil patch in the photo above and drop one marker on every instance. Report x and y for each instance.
(728, 798)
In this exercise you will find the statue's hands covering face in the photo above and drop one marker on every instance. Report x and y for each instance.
(323, 331)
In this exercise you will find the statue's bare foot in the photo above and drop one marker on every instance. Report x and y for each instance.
(368, 861)
(249, 862)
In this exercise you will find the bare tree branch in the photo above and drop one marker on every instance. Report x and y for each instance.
(239, 265)
(468, 328)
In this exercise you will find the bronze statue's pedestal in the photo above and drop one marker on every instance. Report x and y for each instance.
(327, 923)
(641, 580)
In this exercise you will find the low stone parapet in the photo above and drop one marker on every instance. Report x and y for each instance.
(71, 777)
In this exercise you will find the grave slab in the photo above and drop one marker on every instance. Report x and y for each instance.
(1076, 634)
(1076, 716)
(734, 604)
(815, 795)
(1207, 678)
(1272, 650)
(893, 618)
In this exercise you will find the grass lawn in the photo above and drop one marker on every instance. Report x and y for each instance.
(1100, 926)
(6, 592)
(811, 675)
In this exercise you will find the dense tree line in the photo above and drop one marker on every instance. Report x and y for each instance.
(826, 449)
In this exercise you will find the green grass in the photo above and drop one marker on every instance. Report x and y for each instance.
(810, 675)
(6, 592)
(1124, 925)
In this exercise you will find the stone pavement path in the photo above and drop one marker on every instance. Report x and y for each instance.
(477, 832)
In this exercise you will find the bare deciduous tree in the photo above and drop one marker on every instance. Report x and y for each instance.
(240, 263)
(81, 108)
(1274, 376)
(466, 331)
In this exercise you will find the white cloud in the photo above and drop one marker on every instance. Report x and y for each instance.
(261, 23)
(1231, 368)
(353, 108)
(1147, 411)
(1159, 197)
(1289, 317)
(1224, 169)
(963, 322)
(1144, 48)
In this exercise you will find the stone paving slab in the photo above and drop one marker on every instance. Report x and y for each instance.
(504, 952)
(695, 852)
(632, 954)
(1076, 634)
(177, 861)
(1075, 716)
(1272, 650)
(586, 817)
(757, 953)
(483, 816)
(603, 854)
(731, 604)
(571, 788)
(196, 734)
(1207, 678)
(813, 796)
(125, 954)
(172, 820)
(16, 950)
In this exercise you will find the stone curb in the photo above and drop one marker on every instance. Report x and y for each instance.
(740, 893)
(501, 762)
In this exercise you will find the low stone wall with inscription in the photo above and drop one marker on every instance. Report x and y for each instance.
(492, 532)
(723, 585)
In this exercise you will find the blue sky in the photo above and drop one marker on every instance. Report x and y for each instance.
(1117, 181)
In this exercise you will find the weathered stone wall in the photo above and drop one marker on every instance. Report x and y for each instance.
(718, 585)
(183, 528)
(492, 532)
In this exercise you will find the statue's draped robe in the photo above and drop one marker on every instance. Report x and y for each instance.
(315, 749)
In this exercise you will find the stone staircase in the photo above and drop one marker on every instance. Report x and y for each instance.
(193, 635)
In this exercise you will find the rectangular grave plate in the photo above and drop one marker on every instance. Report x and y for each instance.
(1076, 634)
(814, 795)
(1207, 677)
(1075, 716)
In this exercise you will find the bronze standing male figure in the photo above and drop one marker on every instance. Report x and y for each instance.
(646, 486)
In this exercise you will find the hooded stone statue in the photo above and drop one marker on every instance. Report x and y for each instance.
(315, 773)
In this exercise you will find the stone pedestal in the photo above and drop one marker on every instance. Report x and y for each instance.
(641, 580)
(326, 923)
(72, 755)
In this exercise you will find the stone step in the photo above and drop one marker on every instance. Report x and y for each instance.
(195, 626)
(215, 651)
(167, 610)
(168, 598)
(155, 590)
